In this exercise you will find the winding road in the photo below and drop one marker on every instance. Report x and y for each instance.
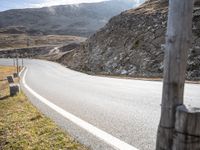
(120, 112)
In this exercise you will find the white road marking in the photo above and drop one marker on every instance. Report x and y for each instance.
(109, 139)
(21, 71)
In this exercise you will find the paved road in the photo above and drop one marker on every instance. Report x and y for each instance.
(127, 109)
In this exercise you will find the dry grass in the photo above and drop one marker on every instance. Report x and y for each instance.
(20, 40)
(4, 71)
(23, 127)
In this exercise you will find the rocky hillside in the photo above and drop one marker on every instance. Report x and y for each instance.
(130, 44)
(79, 19)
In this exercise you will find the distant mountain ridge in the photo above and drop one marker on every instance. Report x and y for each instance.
(78, 19)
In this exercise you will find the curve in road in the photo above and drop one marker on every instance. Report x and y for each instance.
(127, 110)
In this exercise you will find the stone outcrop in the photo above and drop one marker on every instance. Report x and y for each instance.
(132, 44)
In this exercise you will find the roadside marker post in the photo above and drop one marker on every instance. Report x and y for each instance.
(22, 62)
(14, 89)
(17, 65)
(10, 79)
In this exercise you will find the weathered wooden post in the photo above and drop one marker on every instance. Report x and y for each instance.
(22, 62)
(178, 42)
(17, 62)
(187, 128)
(15, 75)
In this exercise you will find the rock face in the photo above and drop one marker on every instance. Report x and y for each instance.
(131, 44)
(81, 19)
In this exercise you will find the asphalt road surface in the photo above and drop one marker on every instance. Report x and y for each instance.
(126, 109)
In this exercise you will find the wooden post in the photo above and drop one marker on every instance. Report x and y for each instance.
(15, 75)
(22, 62)
(28, 42)
(17, 65)
(187, 128)
(178, 42)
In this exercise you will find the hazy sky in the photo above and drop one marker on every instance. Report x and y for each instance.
(16, 4)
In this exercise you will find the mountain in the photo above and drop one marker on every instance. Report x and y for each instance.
(80, 19)
(130, 44)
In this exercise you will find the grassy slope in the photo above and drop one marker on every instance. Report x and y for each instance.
(22, 126)
(20, 40)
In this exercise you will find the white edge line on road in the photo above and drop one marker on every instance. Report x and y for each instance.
(109, 139)
(21, 71)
